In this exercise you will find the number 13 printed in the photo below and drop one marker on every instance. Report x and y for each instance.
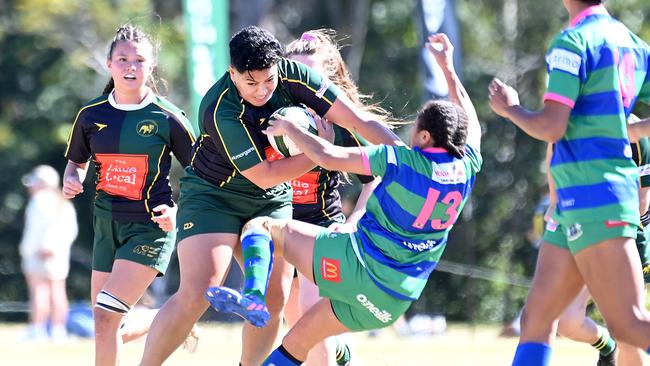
(453, 198)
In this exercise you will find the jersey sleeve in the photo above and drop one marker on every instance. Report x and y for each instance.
(235, 139)
(377, 159)
(565, 64)
(473, 160)
(307, 86)
(78, 149)
(643, 147)
(181, 137)
(344, 137)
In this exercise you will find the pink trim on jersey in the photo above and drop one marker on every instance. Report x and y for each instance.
(559, 98)
(435, 149)
(366, 161)
(595, 9)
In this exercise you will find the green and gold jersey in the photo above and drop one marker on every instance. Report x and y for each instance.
(131, 147)
(231, 129)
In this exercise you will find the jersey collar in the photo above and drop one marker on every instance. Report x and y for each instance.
(594, 9)
(434, 150)
(150, 98)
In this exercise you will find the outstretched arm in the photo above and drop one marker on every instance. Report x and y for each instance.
(318, 150)
(443, 51)
(344, 113)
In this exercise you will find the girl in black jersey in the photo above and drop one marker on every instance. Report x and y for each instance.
(130, 134)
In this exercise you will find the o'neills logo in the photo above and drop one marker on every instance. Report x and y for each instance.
(381, 315)
(331, 270)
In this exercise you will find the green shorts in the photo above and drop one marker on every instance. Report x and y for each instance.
(139, 242)
(204, 208)
(578, 236)
(356, 301)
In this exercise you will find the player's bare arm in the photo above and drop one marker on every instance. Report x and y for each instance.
(320, 151)
(73, 177)
(443, 51)
(549, 124)
(344, 113)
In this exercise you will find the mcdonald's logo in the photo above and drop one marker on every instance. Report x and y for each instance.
(331, 270)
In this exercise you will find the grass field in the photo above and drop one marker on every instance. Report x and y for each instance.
(220, 345)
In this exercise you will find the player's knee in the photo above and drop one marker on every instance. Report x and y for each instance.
(109, 311)
(111, 303)
(258, 223)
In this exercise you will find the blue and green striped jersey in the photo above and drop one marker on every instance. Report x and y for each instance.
(600, 69)
(404, 232)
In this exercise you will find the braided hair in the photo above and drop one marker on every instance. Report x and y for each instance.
(447, 124)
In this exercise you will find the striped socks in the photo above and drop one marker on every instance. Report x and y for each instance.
(605, 343)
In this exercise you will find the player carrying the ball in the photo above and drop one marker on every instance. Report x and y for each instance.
(231, 181)
(371, 276)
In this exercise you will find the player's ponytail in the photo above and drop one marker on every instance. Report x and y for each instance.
(447, 124)
(129, 32)
(109, 86)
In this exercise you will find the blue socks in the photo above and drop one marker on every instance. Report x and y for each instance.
(532, 354)
(257, 249)
(280, 357)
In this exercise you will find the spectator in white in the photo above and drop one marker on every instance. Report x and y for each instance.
(50, 228)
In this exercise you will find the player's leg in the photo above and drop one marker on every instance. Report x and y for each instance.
(258, 342)
(330, 261)
(292, 310)
(323, 353)
(612, 270)
(556, 283)
(317, 324)
(137, 323)
(204, 260)
(125, 285)
(629, 355)
(576, 325)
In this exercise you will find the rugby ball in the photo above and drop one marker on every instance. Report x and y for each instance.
(302, 118)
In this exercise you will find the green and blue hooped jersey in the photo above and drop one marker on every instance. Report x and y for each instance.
(404, 232)
(599, 69)
(131, 147)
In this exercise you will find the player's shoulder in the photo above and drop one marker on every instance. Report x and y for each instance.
(92, 105)
(95, 102)
(287, 68)
(572, 39)
(222, 100)
(169, 108)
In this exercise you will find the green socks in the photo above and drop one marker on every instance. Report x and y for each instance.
(605, 343)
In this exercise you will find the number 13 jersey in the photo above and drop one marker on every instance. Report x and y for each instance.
(403, 234)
